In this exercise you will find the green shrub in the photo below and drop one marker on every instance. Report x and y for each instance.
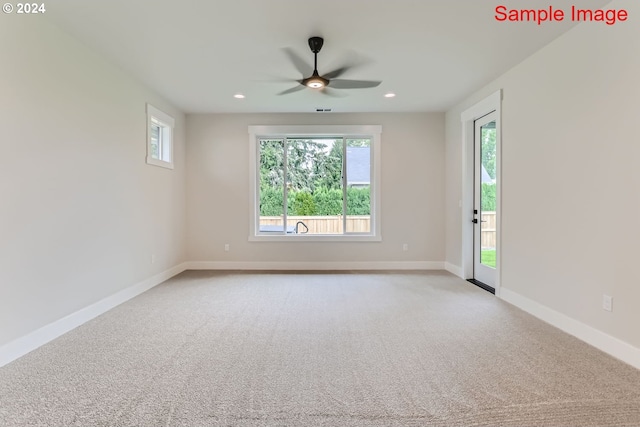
(322, 202)
(328, 202)
(271, 201)
(358, 201)
(303, 204)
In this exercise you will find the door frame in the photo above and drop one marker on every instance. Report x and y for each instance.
(468, 117)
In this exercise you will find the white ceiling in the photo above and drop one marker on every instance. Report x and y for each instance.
(199, 53)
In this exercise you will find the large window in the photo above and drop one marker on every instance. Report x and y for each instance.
(315, 183)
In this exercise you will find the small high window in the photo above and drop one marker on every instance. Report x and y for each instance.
(159, 137)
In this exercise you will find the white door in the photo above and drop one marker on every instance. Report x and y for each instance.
(484, 205)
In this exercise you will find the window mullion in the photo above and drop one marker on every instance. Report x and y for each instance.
(344, 185)
(256, 182)
(285, 192)
(160, 143)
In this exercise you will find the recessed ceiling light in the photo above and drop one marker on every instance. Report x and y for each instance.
(389, 95)
(238, 96)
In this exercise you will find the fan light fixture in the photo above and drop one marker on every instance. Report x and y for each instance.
(315, 83)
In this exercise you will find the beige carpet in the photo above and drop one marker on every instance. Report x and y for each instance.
(384, 349)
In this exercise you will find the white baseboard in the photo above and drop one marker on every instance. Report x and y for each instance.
(23, 345)
(316, 265)
(454, 269)
(611, 345)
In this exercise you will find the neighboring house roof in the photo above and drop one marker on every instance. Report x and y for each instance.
(486, 178)
(358, 166)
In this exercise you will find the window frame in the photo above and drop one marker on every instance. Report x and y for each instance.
(166, 124)
(314, 131)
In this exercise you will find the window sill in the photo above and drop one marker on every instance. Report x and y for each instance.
(162, 164)
(297, 238)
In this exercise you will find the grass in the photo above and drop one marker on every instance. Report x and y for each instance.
(488, 257)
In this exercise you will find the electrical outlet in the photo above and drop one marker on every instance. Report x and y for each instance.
(226, 247)
(153, 259)
(607, 302)
(405, 247)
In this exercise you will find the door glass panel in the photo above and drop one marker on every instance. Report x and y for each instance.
(488, 195)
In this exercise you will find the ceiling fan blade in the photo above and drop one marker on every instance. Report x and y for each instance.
(291, 90)
(275, 80)
(332, 93)
(351, 61)
(304, 68)
(353, 84)
(336, 73)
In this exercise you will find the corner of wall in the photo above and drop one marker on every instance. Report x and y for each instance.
(610, 345)
(23, 345)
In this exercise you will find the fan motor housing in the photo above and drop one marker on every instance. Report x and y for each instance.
(315, 43)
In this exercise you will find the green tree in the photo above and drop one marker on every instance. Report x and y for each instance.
(366, 142)
(313, 181)
(488, 197)
(305, 163)
(489, 151)
(331, 170)
(271, 163)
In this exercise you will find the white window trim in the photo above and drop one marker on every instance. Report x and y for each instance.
(257, 132)
(168, 123)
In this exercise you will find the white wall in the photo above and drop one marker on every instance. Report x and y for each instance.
(412, 191)
(570, 175)
(80, 212)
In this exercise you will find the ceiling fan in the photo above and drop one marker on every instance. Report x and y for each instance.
(327, 81)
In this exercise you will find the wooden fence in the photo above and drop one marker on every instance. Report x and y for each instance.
(323, 224)
(488, 234)
(362, 224)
